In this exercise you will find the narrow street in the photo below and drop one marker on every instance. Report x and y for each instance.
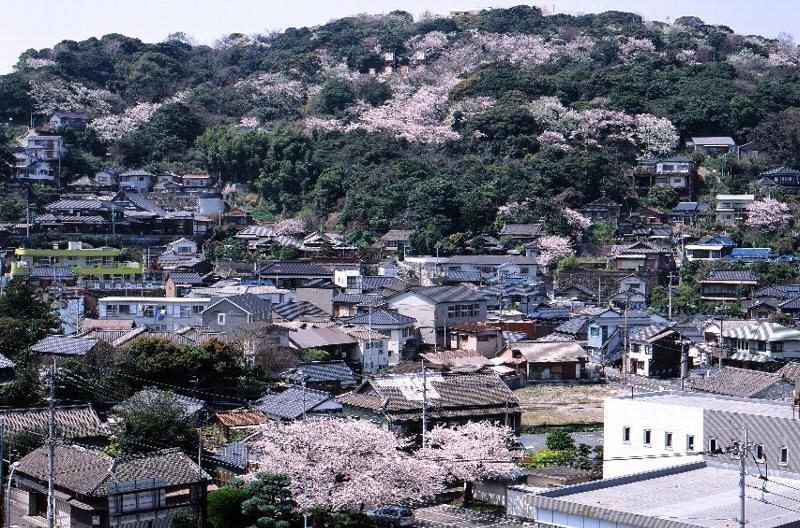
(446, 516)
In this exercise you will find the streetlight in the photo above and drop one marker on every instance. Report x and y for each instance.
(8, 492)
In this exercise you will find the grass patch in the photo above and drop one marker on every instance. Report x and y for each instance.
(590, 427)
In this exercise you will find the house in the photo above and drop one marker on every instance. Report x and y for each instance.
(658, 351)
(337, 343)
(237, 421)
(492, 266)
(685, 495)
(79, 423)
(677, 172)
(762, 343)
(602, 211)
(773, 300)
(192, 407)
(689, 213)
(745, 383)
(237, 311)
(604, 329)
(300, 311)
(352, 304)
(576, 292)
(93, 489)
(136, 180)
(731, 208)
(43, 147)
(322, 243)
(710, 248)
(395, 401)
(329, 376)
(232, 287)
(521, 233)
(396, 327)
(784, 178)
(648, 431)
(631, 293)
(69, 347)
(180, 283)
(297, 402)
(28, 168)
(236, 218)
(372, 352)
(646, 216)
(712, 145)
(292, 274)
(72, 120)
(191, 182)
(437, 307)
(728, 285)
(548, 360)
(105, 179)
(523, 295)
(642, 256)
(167, 313)
(477, 338)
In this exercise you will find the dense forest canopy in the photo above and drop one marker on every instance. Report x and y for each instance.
(506, 106)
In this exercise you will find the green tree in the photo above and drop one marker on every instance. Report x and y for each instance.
(315, 354)
(334, 96)
(153, 420)
(662, 197)
(270, 504)
(560, 440)
(155, 359)
(225, 507)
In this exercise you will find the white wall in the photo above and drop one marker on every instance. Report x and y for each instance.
(640, 414)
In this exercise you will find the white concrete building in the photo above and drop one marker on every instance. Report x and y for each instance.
(731, 207)
(164, 313)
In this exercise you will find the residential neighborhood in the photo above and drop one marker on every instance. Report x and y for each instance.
(462, 268)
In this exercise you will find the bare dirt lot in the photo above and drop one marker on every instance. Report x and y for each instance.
(564, 404)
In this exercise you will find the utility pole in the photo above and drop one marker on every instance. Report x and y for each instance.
(424, 404)
(669, 294)
(721, 320)
(200, 447)
(742, 450)
(51, 506)
(303, 384)
(625, 363)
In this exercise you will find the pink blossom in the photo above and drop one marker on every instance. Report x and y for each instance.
(655, 135)
(56, 94)
(553, 248)
(575, 219)
(471, 452)
(633, 47)
(115, 126)
(767, 214)
(290, 226)
(342, 464)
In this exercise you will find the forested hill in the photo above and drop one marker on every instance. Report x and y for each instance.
(372, 122)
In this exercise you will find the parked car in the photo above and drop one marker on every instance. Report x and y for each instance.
(392, 516)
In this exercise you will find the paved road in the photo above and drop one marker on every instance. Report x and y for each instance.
(536, 442)
(446, 516)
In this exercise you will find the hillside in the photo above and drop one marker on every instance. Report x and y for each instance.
(376, 122)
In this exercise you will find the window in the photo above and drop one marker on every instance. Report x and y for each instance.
(483, 338)
(197, 309)
(784, 458)
(221, 319)
(594, 331)
(761, 345)
(186, 311)
(524, 271)
(647, 437)
(668, 440)
(626, 435)
(149, 310)
(112, 310)
(690, 442)
(712, 445)
(759, 452)
(777, 346)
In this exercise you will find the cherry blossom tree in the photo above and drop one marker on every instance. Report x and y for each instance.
(655, 135)
(767, 214)
(290, 226)
(553, 248)
(575, 219)
(471, 452)
(342, 464)
(633, 47)
(56, 94)
(115, 126)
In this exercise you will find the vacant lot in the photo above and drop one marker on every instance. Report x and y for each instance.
(564, 404)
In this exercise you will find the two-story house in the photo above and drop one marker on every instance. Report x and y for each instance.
(731, 208)
(605, 330)
(397, 328)
(631, 293)
(395, 239)
(521, 233)
(491, 266)
(689, 213)
(763, 342)
(72, 120)
(166, 313)
(677, 172)
(712, 145)
(436, 307)
(136, 180)
(728, 285)
(602, 211)
(43, 147)
(658, 351)
(191, 182)
(643, 256)
(710, 248)
(784, 178)
(236, 311)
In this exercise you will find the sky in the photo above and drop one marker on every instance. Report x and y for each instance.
(50, 21)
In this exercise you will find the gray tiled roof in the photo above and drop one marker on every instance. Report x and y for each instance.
(743, 383)
(252, 304)
(397, 234)
(781, 170)
(288, 405)
(490, 260)
(278, 269)
(60, 272)
(192, 278)
(293, 311)
(90, 472)
(574, 326)
(380, 317)
(358, 298)
(235, 454)
(80, 421)
(64, 345)
(550, 351)
(75, 204)
(320, 372)
(732, 275)
(449, 293)
(448, 395)
(521, 230)
(374, 282)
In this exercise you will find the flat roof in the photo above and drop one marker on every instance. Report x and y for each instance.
(716, 402)
(696, 494)
(156, 300)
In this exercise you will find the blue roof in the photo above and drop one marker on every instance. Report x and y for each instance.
(751, 252)
(717, 240)
(380, 317)
(687, 207)
(550, 313)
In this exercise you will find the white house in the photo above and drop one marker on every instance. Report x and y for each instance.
(372, 352)
(492, 265)
(397, 328)
(437, 307)
(762, 342)
(731, 207)
(43, 147)
(136, 180)
(164, 313)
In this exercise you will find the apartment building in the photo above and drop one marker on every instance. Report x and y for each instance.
(162, 313)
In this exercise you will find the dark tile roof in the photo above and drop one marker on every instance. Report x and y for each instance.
(64, 345)
(691, 207)
(288, 405)
(358, 298)
(550, 313)
(732, 276)
(248, 302)
(448, 395)
(380, 317)
(448, 293)
(293, 311)
(528, 230)
(739, 382)
(61, 272)
(603, 200)
(192, 278)
(750, 253)
(781, 170)
(791, 304)
(320, 372)
(375, 282)
(274, 269)
(397, 234)
(467, 276)
(235, 454)
(491, 260)
(80, 421)
(76, 204)
(779, 291)
(143, 203)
